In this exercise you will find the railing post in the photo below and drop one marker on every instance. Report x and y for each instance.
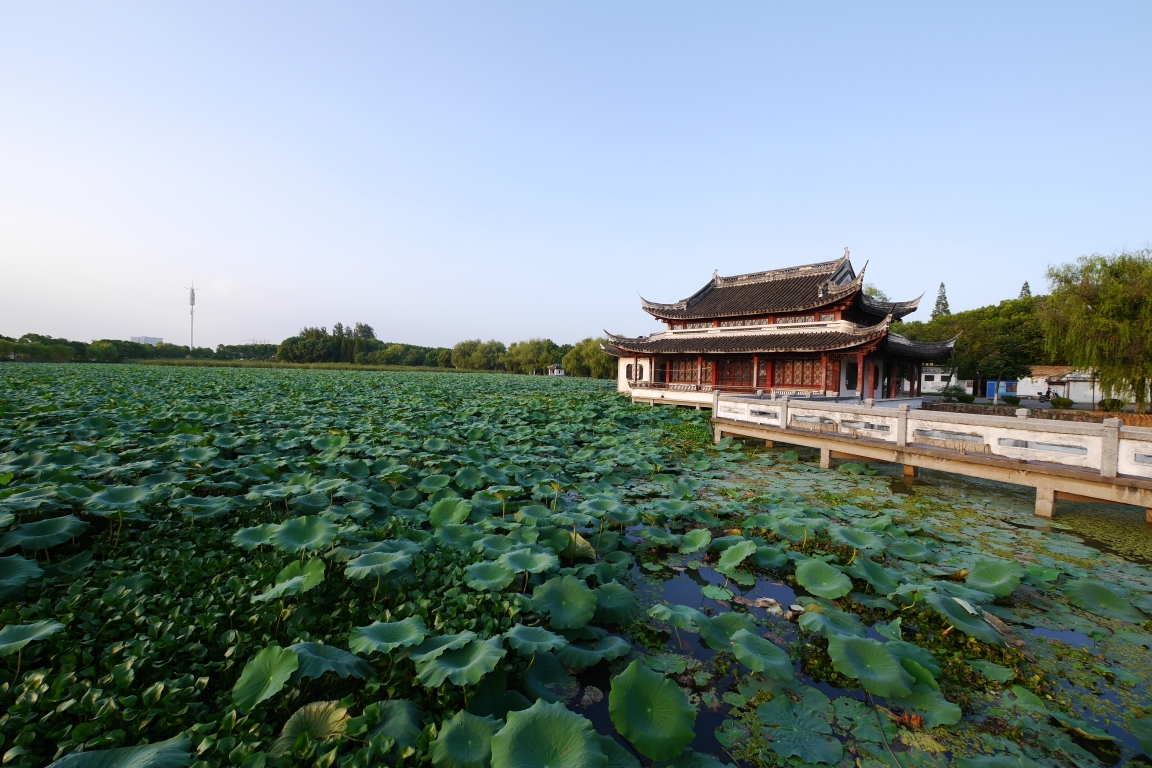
(1110, 450)
(715, 402)
(902, 425)
(1021, 413)
(784, 412)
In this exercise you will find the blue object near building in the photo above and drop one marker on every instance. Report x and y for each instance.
(1006, 388)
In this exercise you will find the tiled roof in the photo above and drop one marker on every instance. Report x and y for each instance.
(713, 343)
(780, 290)
(897, 309)
(933, 350)
(1051, 371)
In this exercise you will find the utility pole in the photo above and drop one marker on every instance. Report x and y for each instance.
(191, 318)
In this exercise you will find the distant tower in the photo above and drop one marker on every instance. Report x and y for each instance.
(191, 318)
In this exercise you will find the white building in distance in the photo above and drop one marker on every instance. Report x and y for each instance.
(153, 340)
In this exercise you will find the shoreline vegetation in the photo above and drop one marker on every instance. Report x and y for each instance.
(306, 366)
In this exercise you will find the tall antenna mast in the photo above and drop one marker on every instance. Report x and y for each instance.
(191, 318)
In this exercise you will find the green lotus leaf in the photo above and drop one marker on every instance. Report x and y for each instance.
(434, 646)
(600, 507)
(615, 604)
(522, 560)
(15, 636)
(43, 534)
(197, 455)
(547, 736)
(996, 577)
(121, 498)
(400, 720)
(1041, 574)
(532, 640)
(465, 741)
(548, 679)
(1142, 730)
(717, 632)
(458, 537)
(295, 578)
(299, 533)
(263, 676)
(959, 617)
(317, 659)
(330, 442)
(494, 545)
(406, 499)
(310, 503)
(734, 555)
(829, 621)
(992, 671)
(856, 538)
(996, 761)
(377, 564)
(875, 574)
(321, 720)
(922, 656)
(797, 731)
(462, 666)
(673, 508)
(694, 541)
(1100, 599)
(910, 550)
(567, 601)
(449, 512)
(652, 712)
(468, 478)
(383, 637)
(618, 756)
(15, 571)
(433, 483)
(173, 753)
(929, 704)
(714, 592)
(250, 538)
(762, 656)
(770, 557)
(488, 576)
(879, 672)
(577, 656)
(679, 616)
(659, 536)
(822, 580)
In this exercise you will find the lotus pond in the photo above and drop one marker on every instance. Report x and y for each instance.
(256, 568)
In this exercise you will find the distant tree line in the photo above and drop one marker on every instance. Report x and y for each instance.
(345, 344)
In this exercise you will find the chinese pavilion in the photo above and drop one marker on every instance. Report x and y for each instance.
(808, 330)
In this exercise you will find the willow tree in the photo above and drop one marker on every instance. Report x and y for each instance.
(1099, 318)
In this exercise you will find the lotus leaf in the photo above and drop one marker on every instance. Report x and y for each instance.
(829, 622)
(992, 671)
(996, 577)
(679, 616)
(822, 580)
(302, 533)
(317, 659)
(651, 711)
(1102, 600)
(488, 576)
(16, 571)
(770, 557)
(856, 538)
(449, 512)
(250, 538)
(922, 656)
(43, 534)
(567, 601)
(618, 756)
(547, 679)
(263, 676)
(458, 537)
(962, 619)
(533, 640)
(330, 442)
(1142, 730)
(321, 720)
(868, 661)
(383, 637)
(797, 731)
(734, 555)
(434, 646)
(996, 761)
(713, 592)
(197, 455)
(875, 574)
(468, 478)
(910, 550)
(173, 753)
(717, 632)
(694, 541)
(660, 537)
(15, 636)
(121, 498)
(465, 741)
(433, 483)
(400, 720)
(462, 666)
(929, 704)
(576, 656)
(615, 604)
(294, 579)
(377, 564)
(547, 736)
(762, 656)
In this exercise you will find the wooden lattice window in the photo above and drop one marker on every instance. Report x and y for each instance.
(797, 372)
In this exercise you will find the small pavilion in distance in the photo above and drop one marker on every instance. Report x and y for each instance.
(804, 331)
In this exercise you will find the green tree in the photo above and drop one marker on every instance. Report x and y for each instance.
(532, 356)
(1099, 317)
(941, 309)
(1025, 291)
(874, 292)
(587, 359)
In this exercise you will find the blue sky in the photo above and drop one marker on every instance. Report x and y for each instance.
(511, 170)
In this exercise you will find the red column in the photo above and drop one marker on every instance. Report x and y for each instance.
(699, 370)
(860, 386)
(824, 373)
(770, 374)
(755, 371)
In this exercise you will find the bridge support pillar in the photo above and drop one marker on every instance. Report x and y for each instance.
(717, 435)
(1148, 515)
(825, 458)
(769, 444)
(1045, 502)
(910, 471)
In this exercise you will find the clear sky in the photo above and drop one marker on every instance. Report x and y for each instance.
(446, 171)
